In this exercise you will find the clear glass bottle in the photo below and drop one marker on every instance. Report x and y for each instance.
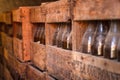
(100, 35)
(54, 42)
(118, 51)
(111, 41)
(40, 34)
(37, 34)
(43, 35)
(69, 41)
(59, 36)
(64, 36)
(88, 38)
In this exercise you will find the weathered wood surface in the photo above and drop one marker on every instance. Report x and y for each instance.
(22, 47)
(94, 68)
(2, 18)
(34, 74)
(38, 55)
(78, 29)
(18, 48)
(63, 64)
(50, 30)
(58, 63)
(20, 68)
(58, 11)
(9, 44)
(16, 15)
(96, 9)
(48, 77)
(38, 14)
(8, 17)
(7, 75)
(3, 35)
(9, 62)
(26, 32)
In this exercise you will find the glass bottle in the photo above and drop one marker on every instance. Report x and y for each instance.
(111, 41)
(100, 35)
(43, 35)
(88, 37)
(69, 41)
(65, 39)
(118, 51)
(39, 34)
(59, 36)
(64, 36)
(54, 41)
(36, 34)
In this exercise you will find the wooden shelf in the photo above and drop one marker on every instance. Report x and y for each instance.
(58, 62)
(38, 55)
(96, 10)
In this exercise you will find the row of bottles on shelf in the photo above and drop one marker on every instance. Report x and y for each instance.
(39, 34)
(102, 38)
(63, 36)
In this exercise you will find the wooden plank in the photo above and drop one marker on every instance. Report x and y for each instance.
(9, 61)
(34, 74)
(23, 52)
(18, 48)
(8, 17)
(16, 15)
(58, 11)
(96, 9)
(48, 77)
(9, 44)
(26, 32)
(3, 35)
(38, 55)
(50, 29)
(59, 63)
(78, 29)
(38, 14)
(7, 75)
(94, 68)
(2, 18)
(20, 68)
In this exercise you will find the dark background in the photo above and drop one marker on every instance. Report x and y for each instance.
(7, 5)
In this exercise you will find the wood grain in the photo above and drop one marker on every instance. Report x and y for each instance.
(96, 9)
(38, 55)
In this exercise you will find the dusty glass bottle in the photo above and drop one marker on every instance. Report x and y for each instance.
(59, 36)
(88, 37)
(118, 51)
(54, 41)
(64, 36)
(111, 41)
(40, 34)
(69, 41)
(37, 31)
(43, 35)
(100, 35)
